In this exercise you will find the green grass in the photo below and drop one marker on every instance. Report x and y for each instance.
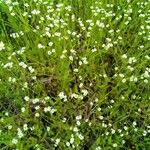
(74, 74)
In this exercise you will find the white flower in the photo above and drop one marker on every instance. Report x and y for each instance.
(58, 34)
(50, 43)
(125, 128)
(22, 64)
(146, 81)
(98, 148)
(78, 117)
(78, 123)
(40, 46)
(26, 98)
(37, 107)
(10, 127)
(36, 100)
(113, 131)
(67, 144)
(72, 140)
(85, 92)
(99, 109)
(94, 50)
(48, 129)
(47, 109)
(57, 141)
(124, 56)
(2, 46)
(134, 123)
(22, 109)
(71, 58)
(37, 114)
(74, 95)
(53, 110)
(8, 65)
(62, 96)
(25, 127)
(49, 52)
(80, 136)
(123, 80)
(31, 69)
(35, 12)
(14, 141)
(101, 117)
(75, 129)
(26, 5)
(75, 70)
(114, 145)
(20, 134)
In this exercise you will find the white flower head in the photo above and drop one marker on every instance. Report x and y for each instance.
(2, 46)
(14, 141)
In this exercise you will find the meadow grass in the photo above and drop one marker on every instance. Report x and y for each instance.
(74, 74)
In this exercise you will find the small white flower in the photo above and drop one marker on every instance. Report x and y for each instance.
(14, 141)
(67, 144)
(114, 145)
(75, 129)
(112, 101)
(146, 81)
(22, 109)
(101, 117)
(50, 43)
(62, 96)
(57, 141)
(72, 140)
(71, 58)
(125, 128)
(74, 95)
(36, 100)
(113, 131)
(85, 92)
(35, 12)
(26, 98)
(19, 133)
(94, 50)
(58, 34)
(124, 56)
(53, 110)
(47, 109)
(53, 50)
(78, 117)
(26, 5)
(10, 127)
(123, 80)
(49, 52)
(80, 136)
(75, 70)
(31, 69)
(6, 113)
(144, 133)
(99, 109)
(2, 46)
(37, 114)
(40, 46)
(98, 148)
(25, 127)
(78, 123)
(48, 129)
(22, 64)
(37, 107)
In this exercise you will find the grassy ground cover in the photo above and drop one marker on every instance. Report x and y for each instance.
(74, 74)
